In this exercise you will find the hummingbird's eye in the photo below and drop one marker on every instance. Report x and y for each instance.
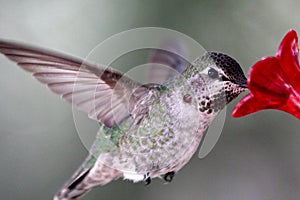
(212, 73)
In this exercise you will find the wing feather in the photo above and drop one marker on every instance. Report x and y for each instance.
(101, 92)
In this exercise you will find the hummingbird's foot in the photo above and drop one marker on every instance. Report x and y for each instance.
(147, 179)
(168, 177)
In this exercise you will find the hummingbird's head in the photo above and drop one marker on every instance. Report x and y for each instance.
(219, 79)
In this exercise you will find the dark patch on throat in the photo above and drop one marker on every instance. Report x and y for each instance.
(205, 104)
(216, 102)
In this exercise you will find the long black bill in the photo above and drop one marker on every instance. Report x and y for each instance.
(241, 84)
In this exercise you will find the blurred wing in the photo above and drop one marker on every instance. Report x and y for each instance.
(212, 134)
(101, 92)
(167, 61)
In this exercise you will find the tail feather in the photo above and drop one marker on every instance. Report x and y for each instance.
(85, 179)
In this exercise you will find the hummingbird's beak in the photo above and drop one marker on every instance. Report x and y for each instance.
(241, 84)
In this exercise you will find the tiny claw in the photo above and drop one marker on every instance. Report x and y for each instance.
(168, 177)
(147, 179)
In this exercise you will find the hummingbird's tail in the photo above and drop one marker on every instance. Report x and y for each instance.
(85, 179)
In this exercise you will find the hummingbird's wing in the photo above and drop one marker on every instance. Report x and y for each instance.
(101, 92)
(166, 61)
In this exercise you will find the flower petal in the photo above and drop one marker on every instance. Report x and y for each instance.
(287, 55)
(292, 106)
(250, 104)
(267, 80)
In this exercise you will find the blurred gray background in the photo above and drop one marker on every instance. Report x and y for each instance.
(257, 157)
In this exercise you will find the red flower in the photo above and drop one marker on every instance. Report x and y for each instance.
(274, 82)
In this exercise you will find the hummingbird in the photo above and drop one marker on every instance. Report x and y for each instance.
(146, 130)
